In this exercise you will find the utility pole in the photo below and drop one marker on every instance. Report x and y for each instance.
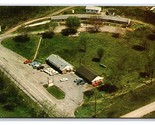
(94, 116)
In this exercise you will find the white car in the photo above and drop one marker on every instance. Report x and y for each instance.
(63, 79)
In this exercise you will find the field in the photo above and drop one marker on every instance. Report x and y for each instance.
(14, 103)
(129, 60)
(150, 115)
(13, 15)
(56, 92)
(26, 49)
(113, 105)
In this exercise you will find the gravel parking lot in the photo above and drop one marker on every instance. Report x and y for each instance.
(73, 92)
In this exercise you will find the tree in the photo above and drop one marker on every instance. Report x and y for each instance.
(51, 26)
(100, 53)
(73, 22)
(83, 44)
(22, 38)
(96, 22)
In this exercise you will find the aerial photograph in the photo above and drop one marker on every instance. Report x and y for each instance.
(77, 62)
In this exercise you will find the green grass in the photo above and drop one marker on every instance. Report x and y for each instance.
(77, 10)
(134, 12)
(19, 112)
(26, 49)
(22, 105)
(23, 13)
(56, 92)
(114, 106)
(123, 65)
(150, 115)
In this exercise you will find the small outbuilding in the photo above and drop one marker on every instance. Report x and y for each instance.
(89, 76)
(93, 9)
(59, 64)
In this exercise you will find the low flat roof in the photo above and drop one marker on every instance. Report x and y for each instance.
(58, 62)
(87, 16)
(93, 8)
(85, 73)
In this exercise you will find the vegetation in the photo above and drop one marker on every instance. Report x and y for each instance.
(48, 34)
(22, 38)
(26, 49)
(72, 22)
(140, 13)
(15, 103)
(100, 53)
(9, 14)
(150, 115)
(96, 23)
(125, 62)
(110, 106)
(56, 92)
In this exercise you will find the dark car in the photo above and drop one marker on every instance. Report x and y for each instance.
(79, 81)
(40, 67)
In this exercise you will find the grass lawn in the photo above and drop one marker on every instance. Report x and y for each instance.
(56, 92)
(19, 112)
(26, 49)
(150, 115)
(23, 13)
(14, 103)
(112, 106)
(123, 65)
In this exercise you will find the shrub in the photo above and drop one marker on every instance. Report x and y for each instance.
(138, 47)
(68, 31)
(9, 106)
(89, 93)
(22, 38)
(108, 88)
(144, 74)
(116, 35)
(48, 34)
(96, 59)
(151, 37)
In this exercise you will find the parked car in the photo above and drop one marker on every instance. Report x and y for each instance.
(40, 67)
(35, 64)
(79, 81)
(27, 61)
(48, 72)
(63, 79)
(102, 65)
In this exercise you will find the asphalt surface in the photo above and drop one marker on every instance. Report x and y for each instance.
(141, 111)
(31, 79)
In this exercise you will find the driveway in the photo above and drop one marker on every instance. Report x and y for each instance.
(32, 80)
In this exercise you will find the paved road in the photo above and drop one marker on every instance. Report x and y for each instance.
(26, 75)
(29, 81)
(141, 111)
(38, 19)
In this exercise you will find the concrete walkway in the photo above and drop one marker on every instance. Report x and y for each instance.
(37, 48)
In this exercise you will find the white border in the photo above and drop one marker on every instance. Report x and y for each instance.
(77, 2)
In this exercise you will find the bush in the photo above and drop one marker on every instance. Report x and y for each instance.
(9, 106)
(138, 47)
(96, 59)
(151, 37)
(68, 31)
(48, 34)
(89, 93)
(22, 38)
(144, 74)
(116, 35)
(108, 88)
